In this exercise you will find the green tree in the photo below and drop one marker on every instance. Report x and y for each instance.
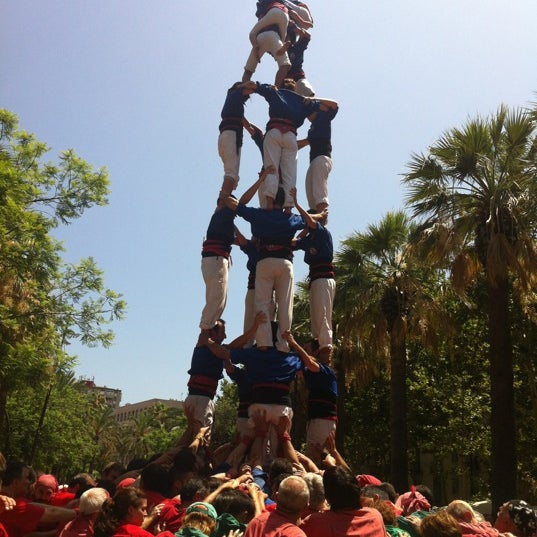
(474, 193)
(382, 290)
(44, 304)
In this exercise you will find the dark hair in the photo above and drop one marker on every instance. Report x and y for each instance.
(184, 461)
(114, 511)
(13, 471)
(155, 478)
(234, 502)
(390, 491)
(193, 486)
(424, 490)
(83, 481)
(370, 491)
(341, 488)
(279, 466)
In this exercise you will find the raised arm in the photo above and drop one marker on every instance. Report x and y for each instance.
(239, 342)
(249, 194)
(309, 361)
(218, 350)
(310, 222)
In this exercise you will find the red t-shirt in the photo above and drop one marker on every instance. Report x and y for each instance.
(22, 519)
(272, 524)
(3, 532)
(172, 514)
(365, 522)
(128, 530)
(62, 498)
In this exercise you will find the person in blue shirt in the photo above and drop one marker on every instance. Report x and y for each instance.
(321, 383)
(320, 141)
(274, 230)
(318, 255)
(230, 137)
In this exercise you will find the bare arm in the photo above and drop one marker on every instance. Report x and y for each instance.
(219, 350)
(56, 514)
(249, 194)
(302, 143)
(332, 450)
(310, 222)
(308, 361)
(239, 342)
(240, 239)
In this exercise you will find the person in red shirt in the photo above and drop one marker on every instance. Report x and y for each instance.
(124, 515)
(292, 497)
(346, 517)
(89, 506)
(27, 515)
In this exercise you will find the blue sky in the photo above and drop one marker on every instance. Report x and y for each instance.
(137, 86)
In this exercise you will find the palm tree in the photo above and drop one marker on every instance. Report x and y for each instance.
(380, 287)
(475, 193)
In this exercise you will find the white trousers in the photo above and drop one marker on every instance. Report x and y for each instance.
(273, 273)
(317, 180)
(322, 293)
(215, 275)
(280, 150)
(230, 155)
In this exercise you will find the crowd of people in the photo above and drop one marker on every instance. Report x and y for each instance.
(194, 491)
(257, 484)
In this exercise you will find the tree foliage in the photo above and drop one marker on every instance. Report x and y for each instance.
(44, 303)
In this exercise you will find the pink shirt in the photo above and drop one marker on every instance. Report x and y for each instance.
(272, 524)
(364, 522)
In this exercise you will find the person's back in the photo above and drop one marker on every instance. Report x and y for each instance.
(90, 504)
(346, 517)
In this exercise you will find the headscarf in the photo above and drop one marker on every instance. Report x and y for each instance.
(412, 501)
(524, 517)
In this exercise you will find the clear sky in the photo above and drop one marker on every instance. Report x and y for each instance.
(138, 86)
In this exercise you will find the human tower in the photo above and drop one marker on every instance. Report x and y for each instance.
(268, 353)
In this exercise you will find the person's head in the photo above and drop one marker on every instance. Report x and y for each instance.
(201, 516)
(112, 471)
(461, 511)
(388, 515)
(426, 492)
(371, 493)
(389, 489)
(289, 84)
(218, 331)
(517, 517)
(18, 478)
(341, 488)
(412, 501)
(194, 489)
(316, 488)
(45, 487)
(80, 483)
(155, 478)
(293, 495)
(127, 506)
(440, 524)
(279, 465)
(237, 503)
(92, 500)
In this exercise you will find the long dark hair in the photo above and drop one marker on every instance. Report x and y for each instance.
(115, 510)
